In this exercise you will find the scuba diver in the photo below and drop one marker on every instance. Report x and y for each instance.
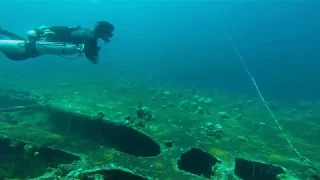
(56, 40)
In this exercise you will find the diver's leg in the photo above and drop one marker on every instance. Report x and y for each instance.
(14, 49)
(18, 49)
(22, 50)
(10, 35)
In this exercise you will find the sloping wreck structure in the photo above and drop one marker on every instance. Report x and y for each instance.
(50, 138)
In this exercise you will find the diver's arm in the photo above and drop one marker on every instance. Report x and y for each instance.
(91, 50)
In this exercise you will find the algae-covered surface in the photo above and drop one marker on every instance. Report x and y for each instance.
(143, 131)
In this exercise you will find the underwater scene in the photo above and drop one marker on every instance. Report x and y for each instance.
(159, 90)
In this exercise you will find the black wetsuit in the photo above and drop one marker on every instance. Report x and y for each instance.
(65, 34)
(76, 35)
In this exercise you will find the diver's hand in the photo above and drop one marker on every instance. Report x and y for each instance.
(95, 60)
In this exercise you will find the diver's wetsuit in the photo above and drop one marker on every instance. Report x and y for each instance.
(62, 35)
(75, 35)
(65, 34)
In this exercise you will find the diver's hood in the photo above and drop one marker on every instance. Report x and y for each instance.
(103, 30)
